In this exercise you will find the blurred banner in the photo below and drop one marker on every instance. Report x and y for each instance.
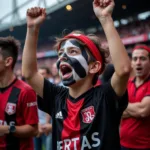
(135, 39)
(126, 41)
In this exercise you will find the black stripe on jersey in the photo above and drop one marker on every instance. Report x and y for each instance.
(60, 115)
(90, 138)
(12, 142)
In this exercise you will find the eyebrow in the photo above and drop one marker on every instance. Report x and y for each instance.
(139, 56)
(70, 47)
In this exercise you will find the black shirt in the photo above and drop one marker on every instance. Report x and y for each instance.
(90, 121)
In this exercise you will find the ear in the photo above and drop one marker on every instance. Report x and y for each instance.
(94, 67)
(8, 61)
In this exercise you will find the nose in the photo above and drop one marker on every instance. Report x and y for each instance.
(63, 57)
(138, 61)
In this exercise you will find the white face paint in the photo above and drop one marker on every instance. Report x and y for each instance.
(72, 55)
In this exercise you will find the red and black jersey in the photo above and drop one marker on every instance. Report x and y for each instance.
(90, 121)
(18, 105)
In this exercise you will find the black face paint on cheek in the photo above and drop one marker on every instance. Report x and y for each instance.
(69, 81)
(73, 62)
(76, 65)
(77, 44)
(58, 64)
(64, 60)
(85, 55)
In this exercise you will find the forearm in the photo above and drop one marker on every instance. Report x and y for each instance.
(26, 131)
(135, 110)
(21, 131)
(29, 60)
(118, 52)
(126, 115)
(4, 129)
(48, 118)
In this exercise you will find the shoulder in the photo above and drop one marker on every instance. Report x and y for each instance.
(105, 93)
(50, 87)
(108, 92)
(23, 86)
(147, 86)
(148, 81)
(105, 90)
(131, 81)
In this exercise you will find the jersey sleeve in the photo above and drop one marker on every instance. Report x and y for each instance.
(29, 107)
(119, 103)
(50, 91)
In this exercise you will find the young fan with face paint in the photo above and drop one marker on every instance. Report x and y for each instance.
(84, 116)
(75, 65)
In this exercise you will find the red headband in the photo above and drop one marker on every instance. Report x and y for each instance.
(142, 47)
(91, 46)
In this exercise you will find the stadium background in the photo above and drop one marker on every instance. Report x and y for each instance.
(132, 20)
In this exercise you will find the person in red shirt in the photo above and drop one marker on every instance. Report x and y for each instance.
(18, 105)
(135, 125)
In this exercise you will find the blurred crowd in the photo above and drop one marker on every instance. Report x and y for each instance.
(48, 69)
(131, 29)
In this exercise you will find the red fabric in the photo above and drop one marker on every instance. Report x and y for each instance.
(72, 125)
(142, 47)
(98, 83)
(91, 46)
(135, 132)
(26, 112)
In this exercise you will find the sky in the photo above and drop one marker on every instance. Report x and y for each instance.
(6, 7)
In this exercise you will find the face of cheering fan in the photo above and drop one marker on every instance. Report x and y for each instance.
(73, 62)
(140, 62)
(5, 62)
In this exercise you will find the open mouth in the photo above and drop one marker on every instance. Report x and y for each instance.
(139, 69)
(66, 71)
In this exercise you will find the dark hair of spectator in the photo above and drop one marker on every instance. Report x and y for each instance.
(9, 47)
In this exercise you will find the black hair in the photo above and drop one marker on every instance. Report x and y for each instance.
(9, 47)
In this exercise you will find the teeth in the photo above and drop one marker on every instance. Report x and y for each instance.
(65, 69)
(63, 66)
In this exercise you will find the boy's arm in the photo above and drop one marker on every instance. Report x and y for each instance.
(35, 17)
(103, 10)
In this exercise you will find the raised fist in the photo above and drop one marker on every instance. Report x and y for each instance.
(103, 8)
(35, 16)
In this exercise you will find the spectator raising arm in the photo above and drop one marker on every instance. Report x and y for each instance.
(117, 50)
(35, 17)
